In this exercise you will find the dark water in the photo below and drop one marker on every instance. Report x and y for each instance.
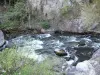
(83, 46)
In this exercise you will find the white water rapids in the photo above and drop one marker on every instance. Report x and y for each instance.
(40, 46)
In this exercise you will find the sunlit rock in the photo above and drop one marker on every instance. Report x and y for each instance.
(60, 52)
(43, 31)
(83, 66)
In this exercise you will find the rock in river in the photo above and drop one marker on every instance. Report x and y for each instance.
(60, 52)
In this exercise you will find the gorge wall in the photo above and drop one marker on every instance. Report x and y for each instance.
(68, 15)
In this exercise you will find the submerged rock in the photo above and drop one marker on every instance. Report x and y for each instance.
(82, 43)
(85, 42)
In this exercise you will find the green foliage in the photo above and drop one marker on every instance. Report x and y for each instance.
(15, 16)
(64, 10)
(9, 60)
(44, 68)
(14, 64)
(45, 24)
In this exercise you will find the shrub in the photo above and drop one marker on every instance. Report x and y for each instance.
(9, 60)
(44, 68)
(14, 64)
(14, 16)
(45, 24)
(64, 11)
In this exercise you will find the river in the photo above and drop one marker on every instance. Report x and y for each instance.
(40, 46)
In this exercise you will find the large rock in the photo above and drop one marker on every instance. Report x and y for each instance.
(60, 52)
(2, 40)
(88, 67)
(83, 66)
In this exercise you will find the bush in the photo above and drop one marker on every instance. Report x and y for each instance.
(14, 64)
(9, 60)
(44, 68)
(45, 24)
(14, 16)
(64, 11)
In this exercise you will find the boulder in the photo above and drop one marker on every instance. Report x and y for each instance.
(82, 43)
(83, 66)
(85, 42)
(2, 40)
(60, 52)
(88, 67)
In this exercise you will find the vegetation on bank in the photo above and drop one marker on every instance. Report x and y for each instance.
(13, 64)
(14, 15)
(18, 15)
(45, 24)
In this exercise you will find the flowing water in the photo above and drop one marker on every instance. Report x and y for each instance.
(41, 46)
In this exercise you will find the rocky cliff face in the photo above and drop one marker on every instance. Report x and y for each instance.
(68, 15)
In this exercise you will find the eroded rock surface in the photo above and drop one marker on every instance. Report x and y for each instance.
(68, 15)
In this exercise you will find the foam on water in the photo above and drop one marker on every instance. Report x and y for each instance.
(57, 43)
(27, 46)
(96, 45)
(71, 39)
(41, 36)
